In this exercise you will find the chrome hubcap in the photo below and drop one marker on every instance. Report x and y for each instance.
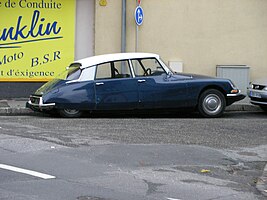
(212, 104)
(71, 111)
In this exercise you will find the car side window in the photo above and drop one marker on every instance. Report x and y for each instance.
(147, 67)
(122, 69)
(88, 74)
(103, 71)
(114, 69)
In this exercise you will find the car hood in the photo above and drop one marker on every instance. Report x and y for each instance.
(49, 86)
(193, 76)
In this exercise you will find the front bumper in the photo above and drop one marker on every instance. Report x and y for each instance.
(257, 97)
(36, 103)
(231, 98)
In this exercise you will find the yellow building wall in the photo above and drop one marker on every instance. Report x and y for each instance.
(200, 33)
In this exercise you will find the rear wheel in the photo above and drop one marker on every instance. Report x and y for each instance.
(70, 113)
(211, 103)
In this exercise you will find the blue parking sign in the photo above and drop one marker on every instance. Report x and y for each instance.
(139, 15)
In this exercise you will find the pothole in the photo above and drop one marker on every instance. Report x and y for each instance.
(245, 175)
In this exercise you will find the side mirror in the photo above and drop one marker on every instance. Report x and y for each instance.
(169, 75)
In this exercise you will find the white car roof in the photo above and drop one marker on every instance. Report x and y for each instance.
(94, 60)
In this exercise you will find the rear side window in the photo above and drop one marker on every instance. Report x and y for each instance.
(103, 71)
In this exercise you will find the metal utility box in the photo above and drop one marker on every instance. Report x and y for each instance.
(239, 74)
(176, 66)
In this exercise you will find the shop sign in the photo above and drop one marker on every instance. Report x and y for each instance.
(36, 38)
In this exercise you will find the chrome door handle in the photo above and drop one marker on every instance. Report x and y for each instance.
(141, 80)
(101, 83)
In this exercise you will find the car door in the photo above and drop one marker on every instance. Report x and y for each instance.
(115, 89)
(156, 88)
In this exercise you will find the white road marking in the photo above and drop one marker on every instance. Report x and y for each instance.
(173, 199)
(25, 171)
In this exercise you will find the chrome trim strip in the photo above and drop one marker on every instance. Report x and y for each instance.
(258, 102)
(233, 95)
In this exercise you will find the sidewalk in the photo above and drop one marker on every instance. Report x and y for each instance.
(14, 107)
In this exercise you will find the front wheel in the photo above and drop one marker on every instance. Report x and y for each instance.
(211, 103)
(70, 113)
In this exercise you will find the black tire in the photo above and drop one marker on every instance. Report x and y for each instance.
(264, 107)
(211, 103)
(70, 113)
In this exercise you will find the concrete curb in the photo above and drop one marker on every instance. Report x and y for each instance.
(243, 107)
(16, 111)
(262, 182)
(14, 107)
(17, 107)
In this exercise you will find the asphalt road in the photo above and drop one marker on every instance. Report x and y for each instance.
(134, 157)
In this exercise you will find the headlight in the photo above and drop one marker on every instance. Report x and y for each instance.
(265, 89)
(250, 85)
(235, 91)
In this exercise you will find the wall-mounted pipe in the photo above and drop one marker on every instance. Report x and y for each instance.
(123, 27)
